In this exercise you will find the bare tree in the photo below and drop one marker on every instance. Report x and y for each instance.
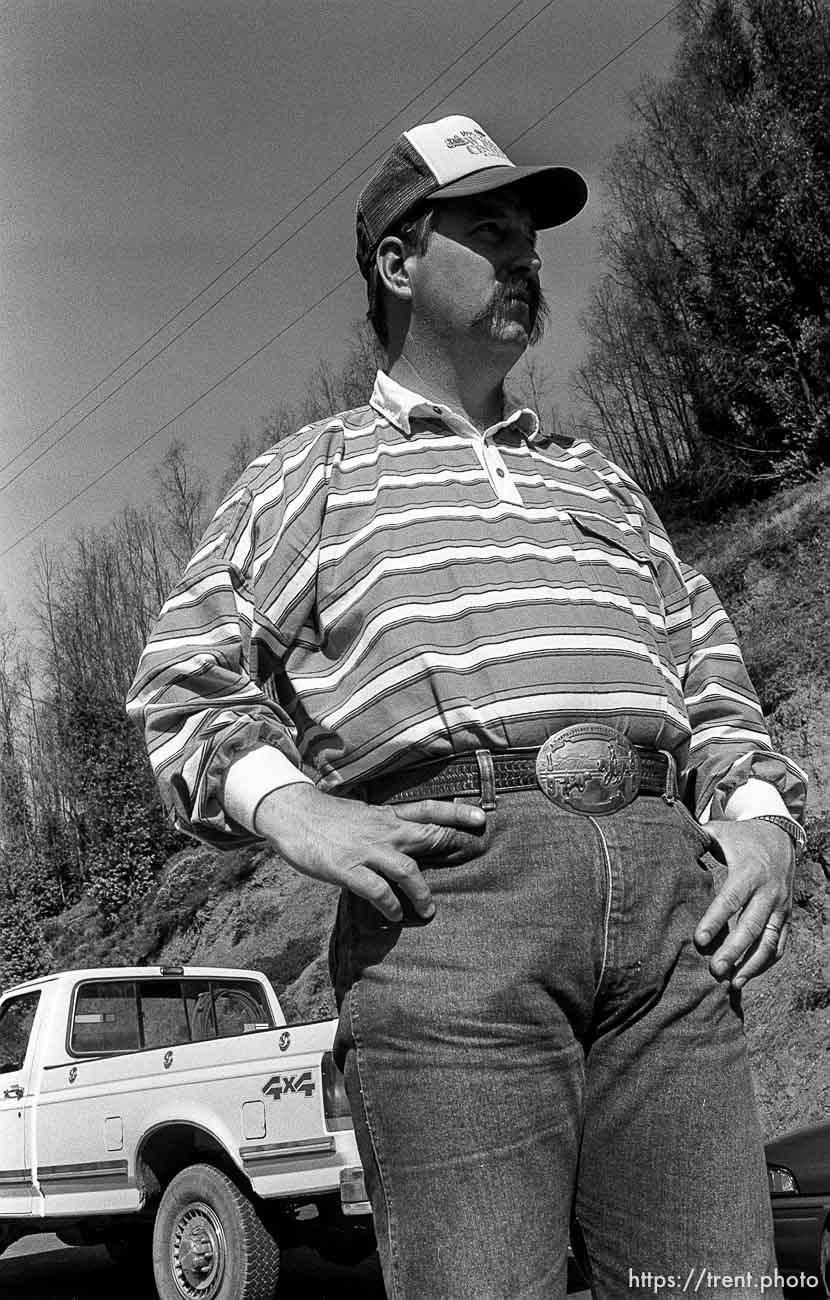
(183, 497)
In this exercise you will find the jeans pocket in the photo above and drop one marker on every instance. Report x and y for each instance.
(714, 866)
(702, 836)
(469, 844)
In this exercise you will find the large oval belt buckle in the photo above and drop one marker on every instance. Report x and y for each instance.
(589, 769)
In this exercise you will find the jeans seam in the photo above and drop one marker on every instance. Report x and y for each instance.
(393, 1252)
(606, 928)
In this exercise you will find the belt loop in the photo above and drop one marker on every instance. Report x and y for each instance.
(487, 776)
(670, 792)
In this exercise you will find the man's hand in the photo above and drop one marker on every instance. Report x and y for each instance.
(757, 890)
(362, 847)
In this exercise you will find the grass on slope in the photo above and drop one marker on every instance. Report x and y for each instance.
(770, 564)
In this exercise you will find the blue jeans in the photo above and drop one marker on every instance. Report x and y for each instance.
(553, 1043)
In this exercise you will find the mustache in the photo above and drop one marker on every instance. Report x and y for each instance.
(521, 288)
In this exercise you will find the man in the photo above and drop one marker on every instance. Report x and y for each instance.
(452, 664)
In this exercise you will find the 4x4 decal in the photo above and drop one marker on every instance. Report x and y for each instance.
(280, 1085)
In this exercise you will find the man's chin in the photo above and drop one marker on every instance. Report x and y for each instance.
(521, 318)
(512, 331)
(513, 334)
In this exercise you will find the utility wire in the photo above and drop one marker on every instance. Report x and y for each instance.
(596, 73)
(149, 438)
(281, 221)
(257, 265)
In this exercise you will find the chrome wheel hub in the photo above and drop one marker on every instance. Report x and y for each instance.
(198, 1252)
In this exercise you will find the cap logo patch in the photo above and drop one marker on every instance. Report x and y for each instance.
(475, 142)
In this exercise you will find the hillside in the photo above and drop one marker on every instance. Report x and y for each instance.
(771, 567)
(770, 564)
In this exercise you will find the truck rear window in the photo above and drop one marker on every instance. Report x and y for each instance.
(128, 1015)
(105, 1018)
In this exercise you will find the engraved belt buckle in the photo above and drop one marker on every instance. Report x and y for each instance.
(589, 769)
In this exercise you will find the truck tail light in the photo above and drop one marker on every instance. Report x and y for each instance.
(335, 1102)
(781, 1181)
(353, 1197)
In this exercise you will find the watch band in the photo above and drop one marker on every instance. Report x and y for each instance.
(796, 832)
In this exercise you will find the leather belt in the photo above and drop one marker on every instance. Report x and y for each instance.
(588, 768)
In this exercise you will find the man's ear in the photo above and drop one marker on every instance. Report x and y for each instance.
(391, 263)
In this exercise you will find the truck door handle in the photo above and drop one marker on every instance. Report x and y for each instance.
(14, 1091)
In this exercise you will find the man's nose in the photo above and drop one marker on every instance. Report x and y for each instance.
(524, 257)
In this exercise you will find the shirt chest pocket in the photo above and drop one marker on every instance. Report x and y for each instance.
(616, 561)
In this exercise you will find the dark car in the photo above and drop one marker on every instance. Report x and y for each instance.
(798, 1166)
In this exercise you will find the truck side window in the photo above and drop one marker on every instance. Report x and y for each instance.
(105, 1018)
(16, 1019)
(163, 1017)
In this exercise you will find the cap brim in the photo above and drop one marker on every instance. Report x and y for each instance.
(553, 194)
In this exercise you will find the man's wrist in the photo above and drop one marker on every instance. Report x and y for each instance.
(278, 808)
(252, 778)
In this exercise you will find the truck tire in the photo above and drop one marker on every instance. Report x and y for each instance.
(209, 1242)
(817, 1271)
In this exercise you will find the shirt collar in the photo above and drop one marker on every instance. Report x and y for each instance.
(400, 405)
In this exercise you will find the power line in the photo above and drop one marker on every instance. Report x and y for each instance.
(149, 438)
(261, 238)
(257, 265)
(156, 432)
(596, 73)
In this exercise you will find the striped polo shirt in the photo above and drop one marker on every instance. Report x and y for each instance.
(390, 586)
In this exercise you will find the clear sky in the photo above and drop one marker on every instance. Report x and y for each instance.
(147, 143)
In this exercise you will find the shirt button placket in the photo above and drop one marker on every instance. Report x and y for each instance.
(499, 476)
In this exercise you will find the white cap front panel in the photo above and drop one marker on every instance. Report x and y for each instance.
(456, 147)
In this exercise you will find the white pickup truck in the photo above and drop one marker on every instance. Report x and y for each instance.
(172, 1113)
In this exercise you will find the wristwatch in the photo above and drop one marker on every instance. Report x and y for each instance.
(796, 832)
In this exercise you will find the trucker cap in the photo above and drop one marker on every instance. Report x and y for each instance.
(450, 159)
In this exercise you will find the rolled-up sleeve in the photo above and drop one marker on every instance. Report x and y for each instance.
(730, 743)
(205, 685)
